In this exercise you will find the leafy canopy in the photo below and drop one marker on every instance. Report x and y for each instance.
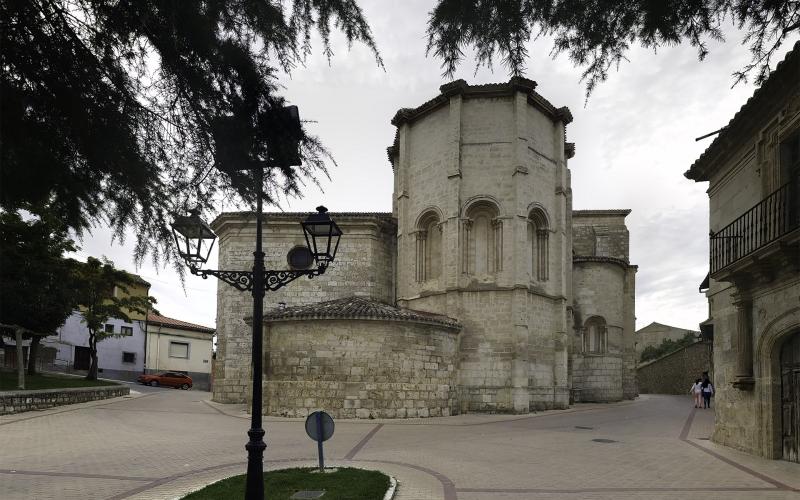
(111, 107)
(36, 285)
(596, 34)
(103, 291)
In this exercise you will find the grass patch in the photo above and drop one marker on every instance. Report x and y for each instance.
(8, 381)
(344, 484)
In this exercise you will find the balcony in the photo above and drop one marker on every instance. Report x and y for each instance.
(770, 225)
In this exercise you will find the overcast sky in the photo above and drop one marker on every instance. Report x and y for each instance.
(634, 139)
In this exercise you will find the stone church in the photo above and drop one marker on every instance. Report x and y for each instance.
(482, 290)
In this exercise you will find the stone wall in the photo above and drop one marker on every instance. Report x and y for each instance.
(676, 372)
(490, 162)
(750, 420)
(364, 267)
(603, 293)
(21, 401)
(360, 368)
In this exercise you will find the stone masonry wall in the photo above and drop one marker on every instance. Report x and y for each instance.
(676, 372)
(600, 291)
(21, 401)
(498, 151)
(360, 369)
(364, 266)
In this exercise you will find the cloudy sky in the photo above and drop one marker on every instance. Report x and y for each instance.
(634, 139)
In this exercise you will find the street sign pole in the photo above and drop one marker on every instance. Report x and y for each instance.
(319, 427)
(319, 443)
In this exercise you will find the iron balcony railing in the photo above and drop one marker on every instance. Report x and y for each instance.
(775, 216)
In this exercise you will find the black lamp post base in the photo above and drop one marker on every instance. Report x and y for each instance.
(254, 488)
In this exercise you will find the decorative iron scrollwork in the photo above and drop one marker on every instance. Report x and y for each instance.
(243, 280)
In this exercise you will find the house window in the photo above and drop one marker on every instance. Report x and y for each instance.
(178, 350)
(109, 328)
(126, 330)
(128, 357)
(595, 339)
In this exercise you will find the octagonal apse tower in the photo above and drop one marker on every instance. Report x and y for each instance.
(483, 206)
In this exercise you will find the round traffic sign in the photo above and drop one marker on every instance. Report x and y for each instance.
(319, 426)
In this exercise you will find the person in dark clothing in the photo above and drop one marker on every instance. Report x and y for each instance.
(708, 390)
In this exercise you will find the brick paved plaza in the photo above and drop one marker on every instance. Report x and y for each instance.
(161, 443)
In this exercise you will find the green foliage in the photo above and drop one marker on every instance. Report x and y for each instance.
(95, 284)
(596, 34)
(345, 484)
(112, 109)
(667, 346)
(36, 287)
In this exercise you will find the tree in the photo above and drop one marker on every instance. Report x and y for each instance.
(596, 34)
(113, 110)
(96, 281)
(36, 294)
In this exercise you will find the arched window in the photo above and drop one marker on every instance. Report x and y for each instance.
(538, 240)
(595, 339)
(483, 240)
(429, 247)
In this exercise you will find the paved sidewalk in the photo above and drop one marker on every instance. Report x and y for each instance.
(160, 444)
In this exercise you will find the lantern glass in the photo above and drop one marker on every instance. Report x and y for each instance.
(194, 238)
(322, 236)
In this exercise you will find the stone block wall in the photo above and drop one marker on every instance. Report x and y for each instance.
(603, 289)
(597, 378)
(364, 266)
(21, 401)
(676, 372)
(360, 369)
(750, 420)
(600, 233)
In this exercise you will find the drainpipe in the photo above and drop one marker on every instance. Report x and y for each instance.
(158, 347)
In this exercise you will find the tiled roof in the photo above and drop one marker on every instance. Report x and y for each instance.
(786, 72)
(301, 214)
(605, 260)
(155, 319)
(359, 308)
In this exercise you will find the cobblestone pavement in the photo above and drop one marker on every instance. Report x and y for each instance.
(161, 443)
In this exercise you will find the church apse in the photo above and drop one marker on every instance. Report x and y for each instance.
(467, 297)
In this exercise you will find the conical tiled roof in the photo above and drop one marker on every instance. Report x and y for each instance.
(359, 308)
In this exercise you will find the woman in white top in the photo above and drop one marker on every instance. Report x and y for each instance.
(697, 393)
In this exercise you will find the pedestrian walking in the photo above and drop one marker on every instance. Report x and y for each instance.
(708, 391)
(697, 393)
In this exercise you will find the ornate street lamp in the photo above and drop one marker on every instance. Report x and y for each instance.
(194, 239)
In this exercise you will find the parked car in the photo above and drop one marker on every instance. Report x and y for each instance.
(169, 379)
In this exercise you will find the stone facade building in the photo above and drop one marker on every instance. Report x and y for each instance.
(753, 290)
(482, 290)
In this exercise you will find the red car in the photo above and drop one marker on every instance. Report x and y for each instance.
(169, 379)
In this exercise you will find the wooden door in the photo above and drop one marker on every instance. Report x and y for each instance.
(790, 398)
(83, 358)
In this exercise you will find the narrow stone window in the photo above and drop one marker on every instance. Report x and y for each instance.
(429, 247)
(538, 245)
(483, 240)
(595, 335)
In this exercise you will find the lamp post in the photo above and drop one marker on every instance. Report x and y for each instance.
(195, 239)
